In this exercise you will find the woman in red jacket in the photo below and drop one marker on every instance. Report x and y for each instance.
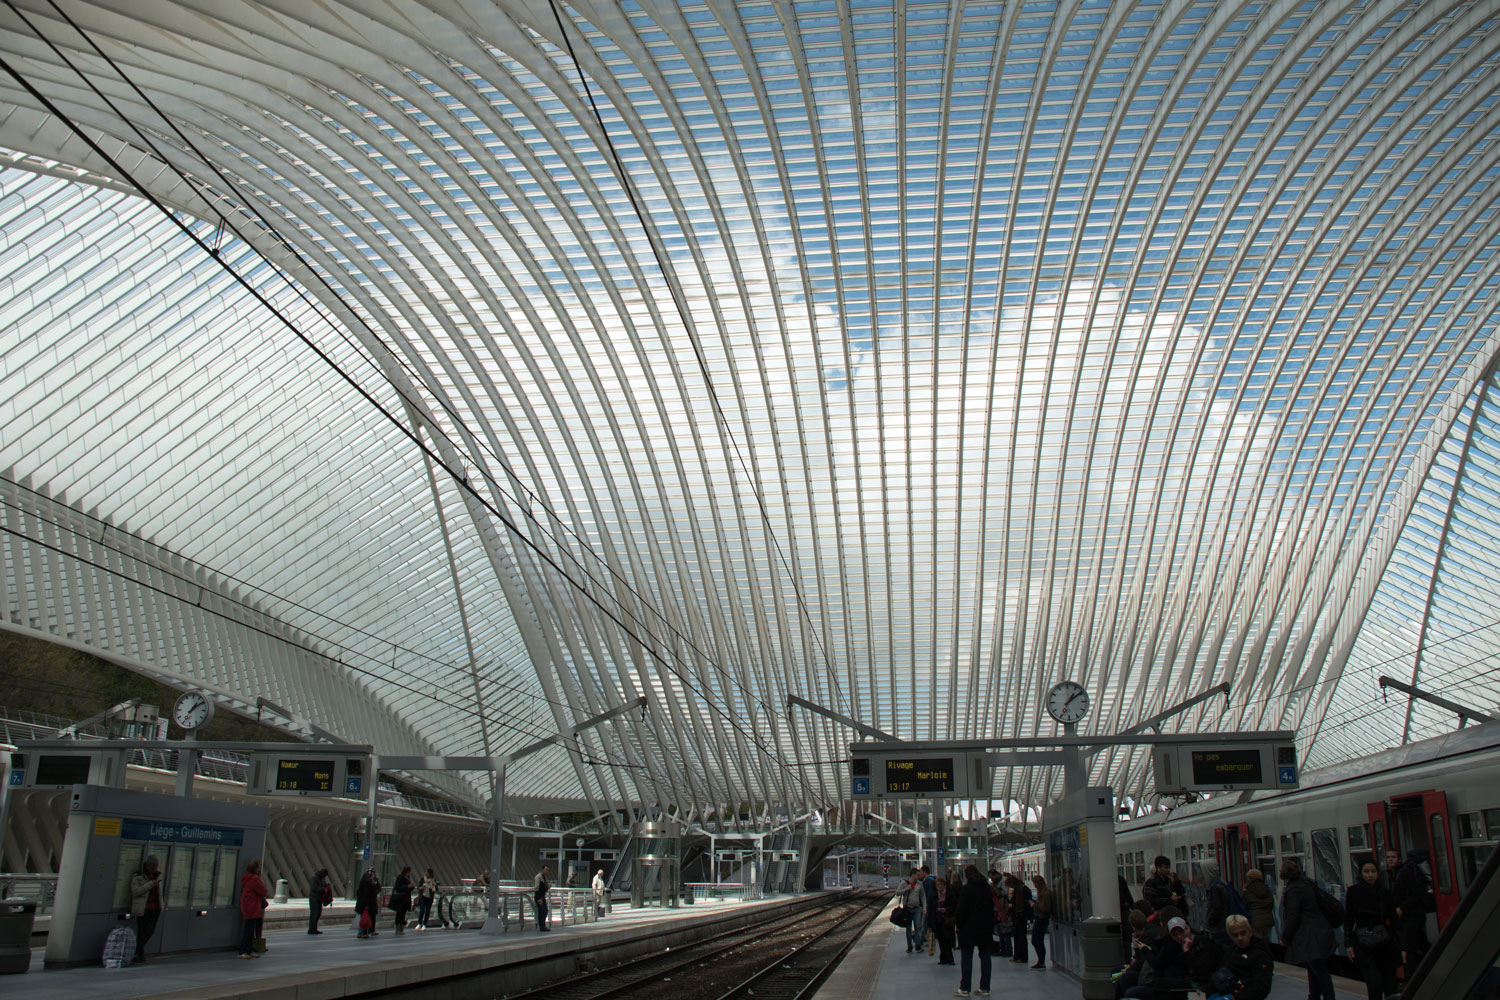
(252, 906)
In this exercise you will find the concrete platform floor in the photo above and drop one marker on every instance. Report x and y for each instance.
(299, 966)
(879, 967)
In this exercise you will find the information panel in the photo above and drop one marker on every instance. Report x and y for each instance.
(896, 775)
(1219, 767)
(1227, 767)
(299, 775)
(288, 773)
(927, 775)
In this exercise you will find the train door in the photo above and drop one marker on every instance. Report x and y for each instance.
(1237, 852)
(1382, 837)
(1232, 851)
(1421, 820)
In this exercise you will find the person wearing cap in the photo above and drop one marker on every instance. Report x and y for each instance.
(1167, 961)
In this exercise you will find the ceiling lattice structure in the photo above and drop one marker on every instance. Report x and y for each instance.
(452, 373)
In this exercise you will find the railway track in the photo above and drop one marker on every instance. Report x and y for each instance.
(780, 958)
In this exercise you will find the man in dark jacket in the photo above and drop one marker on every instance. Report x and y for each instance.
(1305, 931)
(1164, 888)
(1248, 962)
(1412, 894)
(976, 915)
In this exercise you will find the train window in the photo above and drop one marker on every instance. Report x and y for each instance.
(1442, 871)
(1470, 826)
(1357, 836)
(1473, 844)
(1291, 843)
(1492, 823)
(1327, 869)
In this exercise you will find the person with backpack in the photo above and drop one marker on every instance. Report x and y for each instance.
(1307, 918)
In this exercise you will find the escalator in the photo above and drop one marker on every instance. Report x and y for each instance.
(1464, 963)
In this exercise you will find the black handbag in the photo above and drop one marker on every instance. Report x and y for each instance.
(900, 916)
(1377, 936)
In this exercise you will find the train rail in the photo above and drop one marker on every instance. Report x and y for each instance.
(782, 957)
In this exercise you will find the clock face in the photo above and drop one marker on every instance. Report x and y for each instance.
(1067, 701)
(192, 710)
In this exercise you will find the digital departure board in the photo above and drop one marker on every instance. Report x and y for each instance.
(274, 773)
(1223, 767)
(298, 775)
(62, 769)
(1227, 767)
(931, 775)
(881, 773)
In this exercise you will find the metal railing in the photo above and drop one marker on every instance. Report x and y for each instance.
(466, 905)
(41, 888)
(722, 890)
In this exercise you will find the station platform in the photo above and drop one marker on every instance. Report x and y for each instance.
(879, 967)
(300, 966)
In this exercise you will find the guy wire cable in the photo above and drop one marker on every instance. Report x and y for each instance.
(644, 600)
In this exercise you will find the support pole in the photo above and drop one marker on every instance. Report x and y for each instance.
(497, 823)
(1073, 773)
(187, 764)
(370, 802)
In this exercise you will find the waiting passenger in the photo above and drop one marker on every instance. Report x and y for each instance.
(1164, 888)
(1020, 916)
(1162, 970)
(1041, 916)
(945, 920)
(253, 909)
(914, 901)
(1261, 902)
(426, 895)
(1247, 967)
(976, 916)
(400, 901)
(145, 903)
(1369, 916)
(1412, 894)
(1306, 929)
(539, 890)
(319, 895)
(367, 904)
(601, 893)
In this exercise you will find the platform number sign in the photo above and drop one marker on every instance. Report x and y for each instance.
(352, 786)
(17, 777)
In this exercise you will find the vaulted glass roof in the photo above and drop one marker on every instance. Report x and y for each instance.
(452, 374)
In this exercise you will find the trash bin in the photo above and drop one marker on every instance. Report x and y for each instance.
(1101, 953)
(16, 917)
(687, 892)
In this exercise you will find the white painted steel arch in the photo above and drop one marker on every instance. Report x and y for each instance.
(906, 357)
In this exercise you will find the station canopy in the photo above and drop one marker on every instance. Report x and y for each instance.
(450, 373)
